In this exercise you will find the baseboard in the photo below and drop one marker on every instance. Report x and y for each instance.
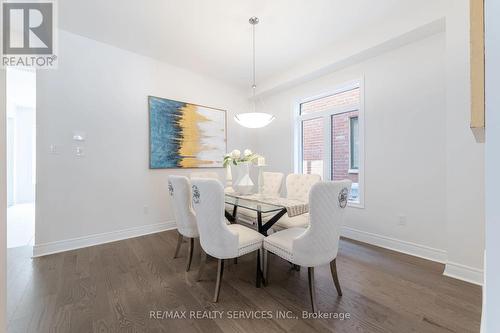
(394, 244)
(485, 293)
(96, 239)
(463, 272)
(453, 270)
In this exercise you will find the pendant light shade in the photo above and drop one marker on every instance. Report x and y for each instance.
(254, 119)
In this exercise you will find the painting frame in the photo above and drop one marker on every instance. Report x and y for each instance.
(152, 166)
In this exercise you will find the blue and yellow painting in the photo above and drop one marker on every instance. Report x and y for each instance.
(184, 135)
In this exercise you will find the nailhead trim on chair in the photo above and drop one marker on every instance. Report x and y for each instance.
(283, 253)
(249, 248)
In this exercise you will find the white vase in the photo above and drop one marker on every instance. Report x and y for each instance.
(242, 183)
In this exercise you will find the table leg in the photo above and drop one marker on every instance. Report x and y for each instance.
(264, 228)
(259, 223)
(235, 210)
(229, 217)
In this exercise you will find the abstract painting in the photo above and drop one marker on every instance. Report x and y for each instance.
(185, 135)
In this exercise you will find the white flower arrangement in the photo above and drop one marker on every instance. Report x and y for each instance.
(235, 157)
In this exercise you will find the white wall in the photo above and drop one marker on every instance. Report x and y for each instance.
(464, 156)
(3, 204)
(21, 90)
(404, 141)
(102, 91)
(361, 43)
(492, 267)
(21, 104)
(24, 182)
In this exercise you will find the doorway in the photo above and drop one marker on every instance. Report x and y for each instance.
(21, 156)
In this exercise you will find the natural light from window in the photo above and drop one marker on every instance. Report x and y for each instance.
(329, 137)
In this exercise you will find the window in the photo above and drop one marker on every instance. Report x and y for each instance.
(328, 130)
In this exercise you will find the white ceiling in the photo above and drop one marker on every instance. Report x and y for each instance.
(213, 37)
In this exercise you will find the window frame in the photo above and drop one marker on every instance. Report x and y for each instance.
(297, 140)
(351, 169)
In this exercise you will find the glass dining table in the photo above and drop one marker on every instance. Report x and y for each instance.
(259, 206)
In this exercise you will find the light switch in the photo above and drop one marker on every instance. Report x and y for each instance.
(54, 149)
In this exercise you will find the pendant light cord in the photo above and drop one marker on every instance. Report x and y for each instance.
(253, 27)
(254, 85)
(254, 119)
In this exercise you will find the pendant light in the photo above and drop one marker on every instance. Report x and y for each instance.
(254, 119)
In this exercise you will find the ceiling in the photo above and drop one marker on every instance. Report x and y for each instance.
(214, 37)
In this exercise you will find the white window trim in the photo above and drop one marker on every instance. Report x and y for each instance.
(351, 170)
(326, 114)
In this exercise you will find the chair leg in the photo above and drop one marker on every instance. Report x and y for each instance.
(333, 268)
(178, 247)
(190, 254)
(310, 274)
(220, 270)
(203, 261)
(258, 275)
(266, 265)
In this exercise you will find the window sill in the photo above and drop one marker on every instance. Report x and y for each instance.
(355, 171)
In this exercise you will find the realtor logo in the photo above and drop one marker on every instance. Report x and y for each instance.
(28, 33)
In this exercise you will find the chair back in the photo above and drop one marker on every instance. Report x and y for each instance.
(298, 185)
(208, 202)
(272, 183)
(179, 188)
(319, 244)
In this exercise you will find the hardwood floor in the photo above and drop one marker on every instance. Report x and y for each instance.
(113, 287)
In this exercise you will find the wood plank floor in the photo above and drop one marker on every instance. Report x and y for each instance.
(113, 287)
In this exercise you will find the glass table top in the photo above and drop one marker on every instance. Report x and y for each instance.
(232, 199)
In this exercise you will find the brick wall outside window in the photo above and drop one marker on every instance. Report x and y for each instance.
(313, 139)
(312, 143)
(341, 146)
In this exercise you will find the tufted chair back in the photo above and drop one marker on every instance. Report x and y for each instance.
(180, 191)
(208, 202)
(298, 186)
(272, 183)
(204, 174)
(319, 244)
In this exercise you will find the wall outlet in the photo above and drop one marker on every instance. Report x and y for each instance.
(402, 220)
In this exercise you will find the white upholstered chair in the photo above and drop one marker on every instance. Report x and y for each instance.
(297, 187)
(179, 188)
(218, 239)
(317, 244)
(214, 175)
(273, 182)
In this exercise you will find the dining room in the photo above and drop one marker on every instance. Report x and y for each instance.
(257, 166)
